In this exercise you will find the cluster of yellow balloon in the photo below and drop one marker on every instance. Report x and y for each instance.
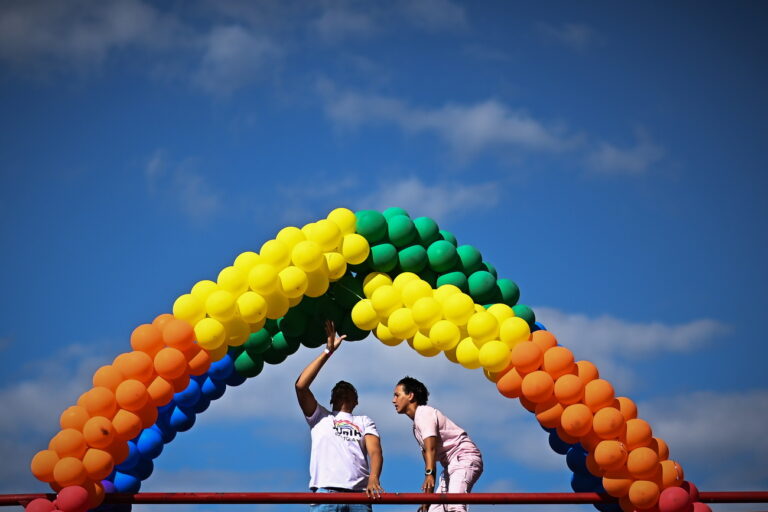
(265, 285)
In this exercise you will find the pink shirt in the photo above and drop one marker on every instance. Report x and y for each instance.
(451, 438)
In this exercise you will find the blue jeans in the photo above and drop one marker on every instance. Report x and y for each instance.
(333, 507)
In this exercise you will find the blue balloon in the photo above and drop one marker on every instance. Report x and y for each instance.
(538, 326)
(189, 396)
(201, 405)
(557, 444)
(143, 469)
(608, 507)
(130, 461)
(150, 442)
(167, 408)
(213, 389)
(108, 485)
(236, 379)
(222, 369)
(126, 483)
(163, 426)
(182, 419)
(576, 458)
(581, 482)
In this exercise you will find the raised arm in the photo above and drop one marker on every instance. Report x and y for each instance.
(376, 461)
(307, 400)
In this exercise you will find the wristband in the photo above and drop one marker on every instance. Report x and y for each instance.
(327, 351)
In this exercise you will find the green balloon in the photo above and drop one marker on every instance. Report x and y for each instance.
(274, 356)
(481, 285)
(294, 322)
(383, 257)
(448, 236)
(271, 326)
(372, 225)
(510, 293)
(470, 259)
(412, 259)
(401, 230)
(353, 332)
(315, 335)
(283, 343)
(258, 342)
(347, 291)
(429, 276)
(490, 268)
(442, 256)
(393, 211)
(526, 313)
(426, 230)
(248, 366)
(492, 297)
(457, 279)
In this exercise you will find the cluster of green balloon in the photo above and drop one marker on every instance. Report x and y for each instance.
(303, 324)
(401, 244)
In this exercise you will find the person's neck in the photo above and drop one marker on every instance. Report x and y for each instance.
(346, 408)
(410, 410)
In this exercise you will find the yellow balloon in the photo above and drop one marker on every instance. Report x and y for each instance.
(263, 279)
(219, 352)
(444, 335)
(247, 260)
(221, 305)
(293, 281)
(337, 265)
(415, 290)
(401, 324)
(514, 330)
(277, 305)
(402, 279)
(494, 355)
(355, 248)
(483, 326)
(385, 301)
(189, 308)
(364, 316)
(317, 281)
(345, 219)
(458, 308)
(307, 229)
(210, 334)
(275, 253)
(501, 312)
(203, 289)
(445, 291)
(423, 345)
(479, 308)
(467, 354)
(386, 337)
(307, 255)
(451, 355)
(325, 233)
(237, 332)
(252, 307)
(426, 311)
(233, 280)
(373, 281)
(256, 327)
(293, 301)
(290, 236)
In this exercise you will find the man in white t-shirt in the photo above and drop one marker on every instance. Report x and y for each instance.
(342, 443)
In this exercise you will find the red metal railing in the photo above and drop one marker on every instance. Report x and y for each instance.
(389, 498)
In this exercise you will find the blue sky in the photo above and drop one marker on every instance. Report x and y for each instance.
(609, 158)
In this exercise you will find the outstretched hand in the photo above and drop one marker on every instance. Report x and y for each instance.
(333, 341)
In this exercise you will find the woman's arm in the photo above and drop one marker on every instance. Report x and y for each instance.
(307, 400)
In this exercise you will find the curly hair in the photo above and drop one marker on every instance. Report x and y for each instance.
(341, 389)
(419, 390)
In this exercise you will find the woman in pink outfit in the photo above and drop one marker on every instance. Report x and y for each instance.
(441, 440)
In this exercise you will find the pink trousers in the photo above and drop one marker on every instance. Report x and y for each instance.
(458, 477)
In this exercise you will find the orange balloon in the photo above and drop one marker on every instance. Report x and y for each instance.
(590, 440)
(147, 338)
(131, 395)
(178, 334)
(148, 415)
(569, 389)
(576, 420)
(135, 365)
(43, 463)
(598, 393)
(69, 471)
(529, 406)
(98, 432)
(108, 376)
(199, 362)
(608, 423)
(617, 483)
(627, 407)
(643, 494)
(660, 447)
(537, 386)
(526, 357)
(510, 384)
(626, 505)
(95, 494)
(98, 463)
(611, 455)
(74, 417)
(161, 320)
(638, 434)
(119, 451)
(558, 361)
(548, 413)
(160, 391)
(642, 462)
(592, 466)
(565, 436)
(170, 363)
(68, 443)
(586, 371)
(671, 474)
(181, 383)
(127, 425)
(99, 401)
(544, 339)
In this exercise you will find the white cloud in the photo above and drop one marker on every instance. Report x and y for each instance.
(435, 14)
(338, 22)
(611, 159)
(575, 36)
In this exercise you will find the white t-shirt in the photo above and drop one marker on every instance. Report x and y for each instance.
(338, 456)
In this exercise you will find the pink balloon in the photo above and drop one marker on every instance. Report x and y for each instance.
(691, 489)
(72, 499)
(701, 507)
(39, 505)
(675, 499)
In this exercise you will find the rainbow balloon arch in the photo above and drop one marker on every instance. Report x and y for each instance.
(370, 272)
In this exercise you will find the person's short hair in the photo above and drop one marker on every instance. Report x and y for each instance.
(419, 390)
(342, 388)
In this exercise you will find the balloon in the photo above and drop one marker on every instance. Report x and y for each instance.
(642, 462)
(307, 255)
(394, 211)
(354, 248)
(74, 417)
(147, 338)
(258, 342)
(401, 230)
(576, 459)
(512, 330)
(126, 483)
(337, 265)
(544, 339)
(660, 446)
(189, 396)
(326, 234)
(245, 261)
(442, 255)
(569, 389)
(143, 469)
(510, 293)
(275, 253)
(189, 308)
(136, 365)
(385, 301)
(590, 440)
(182, 419)
(456, 278)
(468, 354)
(251, 307)
(510, 384)
(414, 290)
(198, 360)
(131, 395)
(643, 494)
(127, 425)
(502, 312)
(42, 465)
(160, 391)
(675, 499)
(448, 237)
(384, 257)
(537, 386)
(616, 483)
(524, 312)
(611, 455)
(120, 451)
(426, 230)
(558, 361)
(214, 389)
(609, 423)
(69, 471)
(371, 224)
(426, 311)
(401, 323)
(584, 482)
(598, 393)
(671, 474)
(459, 308)
(375, 280)
(482, 327)
(412, 259)
(290, 236)
(424, 345)
(40, 505)
(98, 432)
(317, 281)
(344, 219)
(263, 279)
(576, 420)
(285, 343)
(72, 499)
(210, 333)
(403, 279)
(386, 337)
(627, 407)
(494, 355)
(98, 401)
(233, 280)
(444, 334)
(249, 365)
(160, 320)
(470, 259)
(108, 376)
(482, 285)
(237, 332)
(221, 369)
(562, 434)
(638, 434)
(549, 412)
(221, 305)
(170, 363)
(586, 371)
(98, 463)
(526, 357)
(557, 444)
(68, 443)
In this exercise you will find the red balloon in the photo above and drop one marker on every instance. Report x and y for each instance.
(692, 490)
(675, 499)
(72, 499)
(39, 505)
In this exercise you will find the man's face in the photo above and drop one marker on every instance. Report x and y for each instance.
(400, 399)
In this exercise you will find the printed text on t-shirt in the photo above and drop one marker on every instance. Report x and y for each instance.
(347, 430)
